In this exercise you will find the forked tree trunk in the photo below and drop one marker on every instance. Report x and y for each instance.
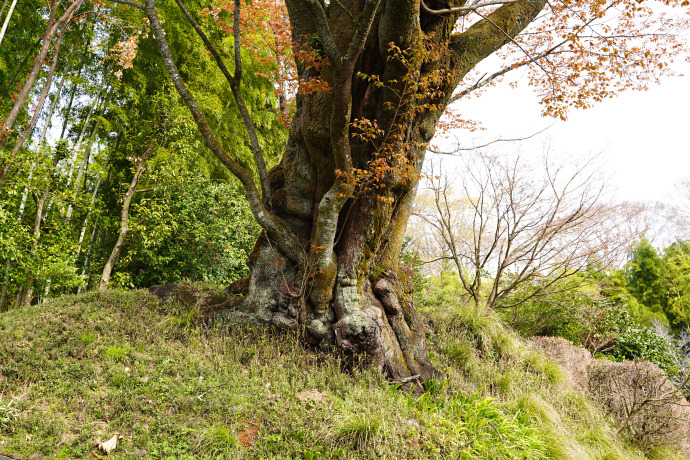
(362, 303)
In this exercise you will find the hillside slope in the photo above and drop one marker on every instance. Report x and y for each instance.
(83, 368)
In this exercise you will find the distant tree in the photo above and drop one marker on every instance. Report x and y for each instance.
(646, 276)
(677, 261)
(516, 233)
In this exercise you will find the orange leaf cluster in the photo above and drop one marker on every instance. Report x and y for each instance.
(580, 52)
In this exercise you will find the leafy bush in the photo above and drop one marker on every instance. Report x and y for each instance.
(199, 230)
(645, 344)
(573, 310)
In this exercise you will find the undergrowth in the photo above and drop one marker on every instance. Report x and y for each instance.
(81, 368)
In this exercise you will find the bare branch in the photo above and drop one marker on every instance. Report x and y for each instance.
(481, 146)
(465, 9)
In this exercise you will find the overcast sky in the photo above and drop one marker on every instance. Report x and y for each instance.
(643, 137)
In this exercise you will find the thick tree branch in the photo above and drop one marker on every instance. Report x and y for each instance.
(131, 3)
(362, 28)
(332, 202)
(491, 33)
(464, 10)
(320, 23)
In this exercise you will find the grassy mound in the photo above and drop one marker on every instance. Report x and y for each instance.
(82, 368)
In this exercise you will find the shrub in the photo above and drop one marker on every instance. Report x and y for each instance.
(199, 230)
(643, 402)
(644, 344)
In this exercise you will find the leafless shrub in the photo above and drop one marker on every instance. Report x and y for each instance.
(644, 402)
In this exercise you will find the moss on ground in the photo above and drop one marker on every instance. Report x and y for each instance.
(82, 368)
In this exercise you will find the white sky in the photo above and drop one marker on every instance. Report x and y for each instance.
(643, 137)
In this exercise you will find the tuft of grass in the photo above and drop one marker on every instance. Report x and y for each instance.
(483, 356)
(87, 337)
(216, 441)
(359, 431)
(116, 353)
(8, 414)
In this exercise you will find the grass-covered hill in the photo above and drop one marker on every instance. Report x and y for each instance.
(82, 368)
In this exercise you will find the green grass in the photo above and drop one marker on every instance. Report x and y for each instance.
(82, 368)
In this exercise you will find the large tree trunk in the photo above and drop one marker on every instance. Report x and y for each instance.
(362, 303)
(336, 207)
(361, 300)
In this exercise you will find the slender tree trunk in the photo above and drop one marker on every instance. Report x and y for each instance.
(5, 286)
(7, 20)
(68, 109)
(85, 159)
(21, 65)
(80, 139)
(88, 215)
(42, 139)
(41, 99)
(95, 235)
(22, 204)
(124, 221)
(26, 292)
(52, 26)
(87, 258)
(51, 111)
(20, 214)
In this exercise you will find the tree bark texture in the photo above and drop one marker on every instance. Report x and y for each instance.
(342, 199)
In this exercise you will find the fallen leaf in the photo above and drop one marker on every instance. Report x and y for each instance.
(247, 436)
(312, 395)
(109, 445)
